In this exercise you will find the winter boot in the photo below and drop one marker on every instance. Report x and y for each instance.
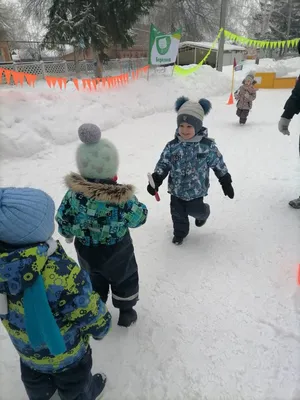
(127, 317)
(177, 240)
(98, 386)
(295, 203)
(200, 222)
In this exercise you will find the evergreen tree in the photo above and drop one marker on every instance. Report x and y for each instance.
(94, 23)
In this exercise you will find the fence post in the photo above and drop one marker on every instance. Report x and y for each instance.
(66, 68)
(43, 69)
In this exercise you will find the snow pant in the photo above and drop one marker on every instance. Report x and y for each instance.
(75, 383)
(112, 266)
(243, 115)
(181, 210)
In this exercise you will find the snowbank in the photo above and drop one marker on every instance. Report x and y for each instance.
(282, 68)
(24, 133)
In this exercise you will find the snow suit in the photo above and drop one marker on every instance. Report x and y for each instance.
(245, 96)
(78, 311)
(188, 165)
(99, 213)
(68, 289)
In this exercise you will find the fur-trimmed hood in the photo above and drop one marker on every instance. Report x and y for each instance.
(111, 193)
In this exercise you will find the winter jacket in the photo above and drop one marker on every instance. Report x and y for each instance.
(292, 106)
(245, 97)
(78, 311)
(98, 212)
(188, 163)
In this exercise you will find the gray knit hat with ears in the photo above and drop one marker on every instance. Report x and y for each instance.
(192, 112)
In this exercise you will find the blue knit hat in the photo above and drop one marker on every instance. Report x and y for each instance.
(26, 216)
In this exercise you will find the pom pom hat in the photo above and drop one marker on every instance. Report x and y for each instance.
(96, 158)
(191, 112)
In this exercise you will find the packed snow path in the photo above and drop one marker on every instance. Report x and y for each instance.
(218, 316)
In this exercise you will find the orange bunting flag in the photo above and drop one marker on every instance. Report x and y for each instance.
(94, 82)
(62, 82)
(7, 73)
(18, 77)
(75, 81)
(88, 81)
(30, 79)
(51, 81)
(99, 83)
(1, 72)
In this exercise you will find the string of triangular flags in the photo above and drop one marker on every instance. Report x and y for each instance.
(263, 44)
(19, 78)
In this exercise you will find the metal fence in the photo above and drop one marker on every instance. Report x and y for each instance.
(67, 68)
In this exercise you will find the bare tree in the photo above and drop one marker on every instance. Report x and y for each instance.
(37, 8)
(8, 20)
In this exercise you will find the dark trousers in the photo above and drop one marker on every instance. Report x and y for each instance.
(73, 384)
(243, 115)
(112, 266)
(181, 210)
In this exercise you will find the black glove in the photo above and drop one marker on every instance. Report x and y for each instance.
(225, 182)
(157, 181)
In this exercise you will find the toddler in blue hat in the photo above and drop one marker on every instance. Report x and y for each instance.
(47, 304)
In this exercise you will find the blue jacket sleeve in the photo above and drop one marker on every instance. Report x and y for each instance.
(163, 166)
(84, 308)
(216, 162)
(62, 217)
(136, 213)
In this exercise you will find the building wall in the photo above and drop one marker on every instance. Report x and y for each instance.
(5, 55)
(192, 57)
(188, 57)
(230, 56)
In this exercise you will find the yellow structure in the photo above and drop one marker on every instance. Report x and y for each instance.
(268, 80)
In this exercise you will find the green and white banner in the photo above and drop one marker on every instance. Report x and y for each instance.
(163, 48)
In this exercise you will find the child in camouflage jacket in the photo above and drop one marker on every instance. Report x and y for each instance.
(98, 212)
(187, 160)
(245, 96)
(47, 304)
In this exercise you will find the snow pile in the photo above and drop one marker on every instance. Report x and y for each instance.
(282, 68)
(218, 316)
(33, 119)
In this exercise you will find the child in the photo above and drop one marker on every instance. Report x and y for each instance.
(98, 212)
(187, 160)
(245, 95)
(47, 304)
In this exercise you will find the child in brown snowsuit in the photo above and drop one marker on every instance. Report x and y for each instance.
(245, 96)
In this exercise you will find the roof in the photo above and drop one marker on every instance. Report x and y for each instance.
(208, 45)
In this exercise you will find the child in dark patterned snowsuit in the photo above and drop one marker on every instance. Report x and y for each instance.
(245, 96)
(187, 160)
(98, 212)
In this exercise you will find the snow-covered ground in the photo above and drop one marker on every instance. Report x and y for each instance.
(218, 316)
